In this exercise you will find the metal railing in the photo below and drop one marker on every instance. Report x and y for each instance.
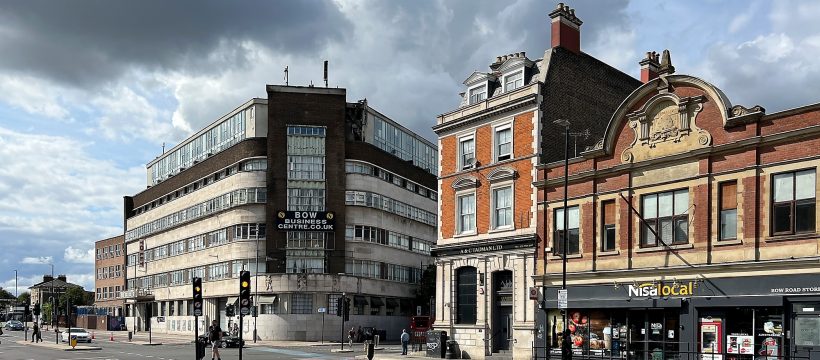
(659, 353)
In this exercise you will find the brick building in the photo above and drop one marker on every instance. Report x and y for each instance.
(230, 198)
(692, 228)
(489, 149)
(109, 272)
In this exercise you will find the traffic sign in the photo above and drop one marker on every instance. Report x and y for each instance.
(562, 299)
(322, 310)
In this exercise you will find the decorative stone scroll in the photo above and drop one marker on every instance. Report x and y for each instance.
(665, 126)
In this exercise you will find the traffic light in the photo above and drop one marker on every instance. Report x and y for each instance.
(347, 309)
(37, 309)
(197, 282)
(229, 311)
(244, 293)
(340, 307)
(26, 311)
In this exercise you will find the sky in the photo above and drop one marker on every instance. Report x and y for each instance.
(90, 90)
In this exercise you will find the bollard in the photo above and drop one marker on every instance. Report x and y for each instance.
(112, 336)
(371, 350)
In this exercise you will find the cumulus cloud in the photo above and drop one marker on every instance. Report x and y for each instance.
(79, 256)
(37, 260)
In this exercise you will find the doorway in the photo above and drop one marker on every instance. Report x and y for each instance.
(149, 312)
(653, 334)
(806, 324)
(501, 327)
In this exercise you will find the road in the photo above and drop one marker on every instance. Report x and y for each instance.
(11, 350)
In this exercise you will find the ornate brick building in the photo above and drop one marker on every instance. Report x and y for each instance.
(489, 149)
(692, 228)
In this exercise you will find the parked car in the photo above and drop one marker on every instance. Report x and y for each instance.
(228, 340)
(14, 325)
(81, 334)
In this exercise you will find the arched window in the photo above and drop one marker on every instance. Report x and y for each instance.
(466, 295)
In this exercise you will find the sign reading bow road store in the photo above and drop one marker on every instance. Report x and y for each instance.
(305, 220)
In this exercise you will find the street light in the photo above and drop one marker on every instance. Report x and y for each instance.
(564, 336)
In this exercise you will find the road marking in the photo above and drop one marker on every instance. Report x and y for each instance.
(294, 353)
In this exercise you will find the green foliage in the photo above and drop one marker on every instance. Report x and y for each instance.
(75, 296)
(427, 287)
(4, 294)
(24, 298)
(45, 312)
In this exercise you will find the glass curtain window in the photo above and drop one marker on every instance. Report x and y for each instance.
(502, 201)
(467, 153)
(466, 295)
(573, 221)
(503, 140)
(665, 214)
(793, 203)
(728, 210)
(478, 94)
(514, 81)
(466, 213)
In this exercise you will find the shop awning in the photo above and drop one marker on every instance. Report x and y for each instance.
(267, 299)
(359, 300)
(391, 303)
(232, 300)
(376, 301)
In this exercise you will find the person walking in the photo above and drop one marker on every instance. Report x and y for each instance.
(34, 331)
(215, 337)
(39, 333)
(350, 335)
(405, 340)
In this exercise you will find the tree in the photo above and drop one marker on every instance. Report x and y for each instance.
(76, 296)
(4, 294)
(45, 312)
(427, 287)
(24, 298)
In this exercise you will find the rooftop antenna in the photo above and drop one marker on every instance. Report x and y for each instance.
(576, 135)
(286, 76)
(325, 73)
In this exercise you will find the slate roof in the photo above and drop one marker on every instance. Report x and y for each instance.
(59, 284)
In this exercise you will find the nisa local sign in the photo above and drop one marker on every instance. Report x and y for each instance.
(305, 220)
(659, 289)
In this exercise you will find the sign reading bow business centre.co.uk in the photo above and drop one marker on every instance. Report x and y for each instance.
(655, 289)
(305, 220)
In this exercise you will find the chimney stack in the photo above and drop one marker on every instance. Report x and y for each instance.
(566, 28)
(47, 278)
(61, 277)
(666, 67)
(649, 67)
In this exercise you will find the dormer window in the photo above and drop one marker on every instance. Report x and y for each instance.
(478, 94)
(514, 81)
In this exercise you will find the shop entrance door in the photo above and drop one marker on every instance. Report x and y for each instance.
(806, 327)
(653, 334)
(502, 311)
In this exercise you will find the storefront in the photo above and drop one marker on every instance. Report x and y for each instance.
(733, 318)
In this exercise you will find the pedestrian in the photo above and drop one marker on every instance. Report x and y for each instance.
(34, 332)
(405, 340)
(39, 334)
(235, 329)
(215, 337)
(350, 335)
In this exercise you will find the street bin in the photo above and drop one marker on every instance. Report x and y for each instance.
(436, 344)
(200, 348)
(371, 350)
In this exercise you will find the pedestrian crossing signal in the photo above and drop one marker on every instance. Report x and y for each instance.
(244, 292)
(197, 285)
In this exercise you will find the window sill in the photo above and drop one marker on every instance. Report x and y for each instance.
(609, 253)
(729, 242)
(569, 256)
(467, 234)
(801, 236)
(500, 230)
(665, 248)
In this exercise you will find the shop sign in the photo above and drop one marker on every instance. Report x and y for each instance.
(740, 344)
(305, 220)
(514, 244)
(664, 290)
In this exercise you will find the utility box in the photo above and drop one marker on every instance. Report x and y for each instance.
(436, 344)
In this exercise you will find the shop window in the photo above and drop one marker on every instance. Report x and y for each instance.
(665, 219)
(608, 231)
(466, 295)
(572, 223)
(728, 210)
(793, 202)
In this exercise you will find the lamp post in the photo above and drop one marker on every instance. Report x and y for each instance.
(256, 287)
(564, 336)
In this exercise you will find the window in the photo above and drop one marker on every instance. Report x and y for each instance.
(466, 213)
(301, 303)
(466, 295)
(332, 302)
(513, 81)
(793, 203)
(478, 94)
(728, 210)
(665, 215)
(303, 199)
(573, 246)
(503, 143)
(466, 153)
(502, 207)
(608, 231)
